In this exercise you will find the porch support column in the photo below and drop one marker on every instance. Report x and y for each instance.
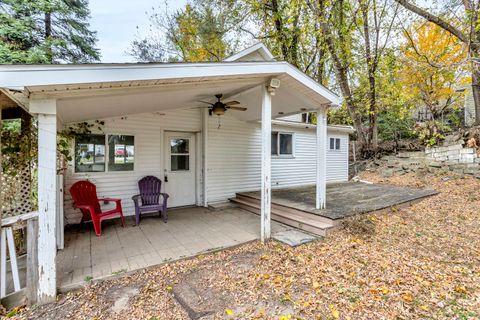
(46, 110)
(205, 155)
(266, 163)
(321, 180)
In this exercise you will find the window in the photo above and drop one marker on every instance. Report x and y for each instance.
(121, 153)
(282, 143)
(334, 143)
(179, 154)
(90, 153)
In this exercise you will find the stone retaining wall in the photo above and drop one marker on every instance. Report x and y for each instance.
(445, 159)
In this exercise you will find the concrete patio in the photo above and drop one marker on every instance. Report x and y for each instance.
(189, 231)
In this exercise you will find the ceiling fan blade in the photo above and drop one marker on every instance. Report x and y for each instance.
(206, 102)
(237, 108)
(232, 103)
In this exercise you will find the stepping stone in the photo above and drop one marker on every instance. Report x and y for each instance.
(294, 237)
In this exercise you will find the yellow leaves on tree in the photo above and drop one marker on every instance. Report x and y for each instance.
(196, 37)
(432, 67)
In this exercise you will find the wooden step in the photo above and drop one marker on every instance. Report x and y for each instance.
(287, 209)
(309, 224)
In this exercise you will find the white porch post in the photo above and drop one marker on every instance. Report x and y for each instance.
(205, 155)
(46, 109)
(321, 158)
(266, 163)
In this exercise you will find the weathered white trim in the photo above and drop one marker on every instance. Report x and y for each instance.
(330, 128)
(47, 192)
(43, 106)
(260, 47)
(321, 159)
(23, 76)
(205, 115)
(266, 185)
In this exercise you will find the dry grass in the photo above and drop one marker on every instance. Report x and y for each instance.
(420, 262)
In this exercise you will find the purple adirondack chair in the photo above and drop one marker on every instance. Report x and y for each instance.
(149, 198)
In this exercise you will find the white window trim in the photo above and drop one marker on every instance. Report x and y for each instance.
(107, 156)
(335, 150)
(284, 156)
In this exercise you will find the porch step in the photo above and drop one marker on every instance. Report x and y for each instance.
(295, 212)
(304, 221)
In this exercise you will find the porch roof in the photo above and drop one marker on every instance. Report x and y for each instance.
(101, 90)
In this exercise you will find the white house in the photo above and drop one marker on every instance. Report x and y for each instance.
(156, 124)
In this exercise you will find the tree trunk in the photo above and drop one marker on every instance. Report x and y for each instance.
(476, 89)
(371, 67)
(48, 35)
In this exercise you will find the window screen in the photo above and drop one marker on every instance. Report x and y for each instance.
(282, 143)
(121, 153)
(90, 153)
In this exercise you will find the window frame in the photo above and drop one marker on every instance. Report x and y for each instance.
(189, 154)
(107, 155)
(335, 144)
(278, 155)
(105, 163)
(107, 148)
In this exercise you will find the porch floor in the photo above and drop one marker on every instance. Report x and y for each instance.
(189, 231)
(345, 199)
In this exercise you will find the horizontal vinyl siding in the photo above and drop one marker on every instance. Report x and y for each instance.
(147, 130)
(234, 157)
(337, 160)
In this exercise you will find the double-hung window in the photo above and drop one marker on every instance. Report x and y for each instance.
(282, 144)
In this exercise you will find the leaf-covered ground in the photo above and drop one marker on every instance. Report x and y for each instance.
(417, 262)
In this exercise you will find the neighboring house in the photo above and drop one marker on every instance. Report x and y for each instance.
(466, 113)
(468, 106)
(155, 124)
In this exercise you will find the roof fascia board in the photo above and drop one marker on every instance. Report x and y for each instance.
(25, 76)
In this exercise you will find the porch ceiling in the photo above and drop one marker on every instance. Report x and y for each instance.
(100, 91)
(107, 100)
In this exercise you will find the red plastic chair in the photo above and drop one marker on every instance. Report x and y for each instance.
(84, 194)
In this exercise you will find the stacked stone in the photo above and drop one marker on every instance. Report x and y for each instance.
(446, 159)
(452, 154)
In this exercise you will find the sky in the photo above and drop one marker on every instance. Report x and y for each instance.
(116, 24)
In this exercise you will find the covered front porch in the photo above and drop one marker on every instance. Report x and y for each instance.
(154, 105)
(189, 232)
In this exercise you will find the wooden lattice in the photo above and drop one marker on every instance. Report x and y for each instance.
(16, 194)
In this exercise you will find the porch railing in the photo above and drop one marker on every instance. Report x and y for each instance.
(8, 255)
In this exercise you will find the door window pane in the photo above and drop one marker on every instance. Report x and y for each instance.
(180, 163)
(121, 153)
(179, 146)
(90, 153)
(286, 144)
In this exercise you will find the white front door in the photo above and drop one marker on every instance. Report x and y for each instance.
(180, 168)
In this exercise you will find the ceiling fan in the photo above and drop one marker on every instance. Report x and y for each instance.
(218, 108)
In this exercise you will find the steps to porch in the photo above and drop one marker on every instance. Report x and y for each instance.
(290, 216)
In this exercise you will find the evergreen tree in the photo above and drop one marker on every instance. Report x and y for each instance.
(46, 31)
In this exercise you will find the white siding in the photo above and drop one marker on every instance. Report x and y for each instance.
(337, 160)
(234, 155)
(234, 158)
(147, 129)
